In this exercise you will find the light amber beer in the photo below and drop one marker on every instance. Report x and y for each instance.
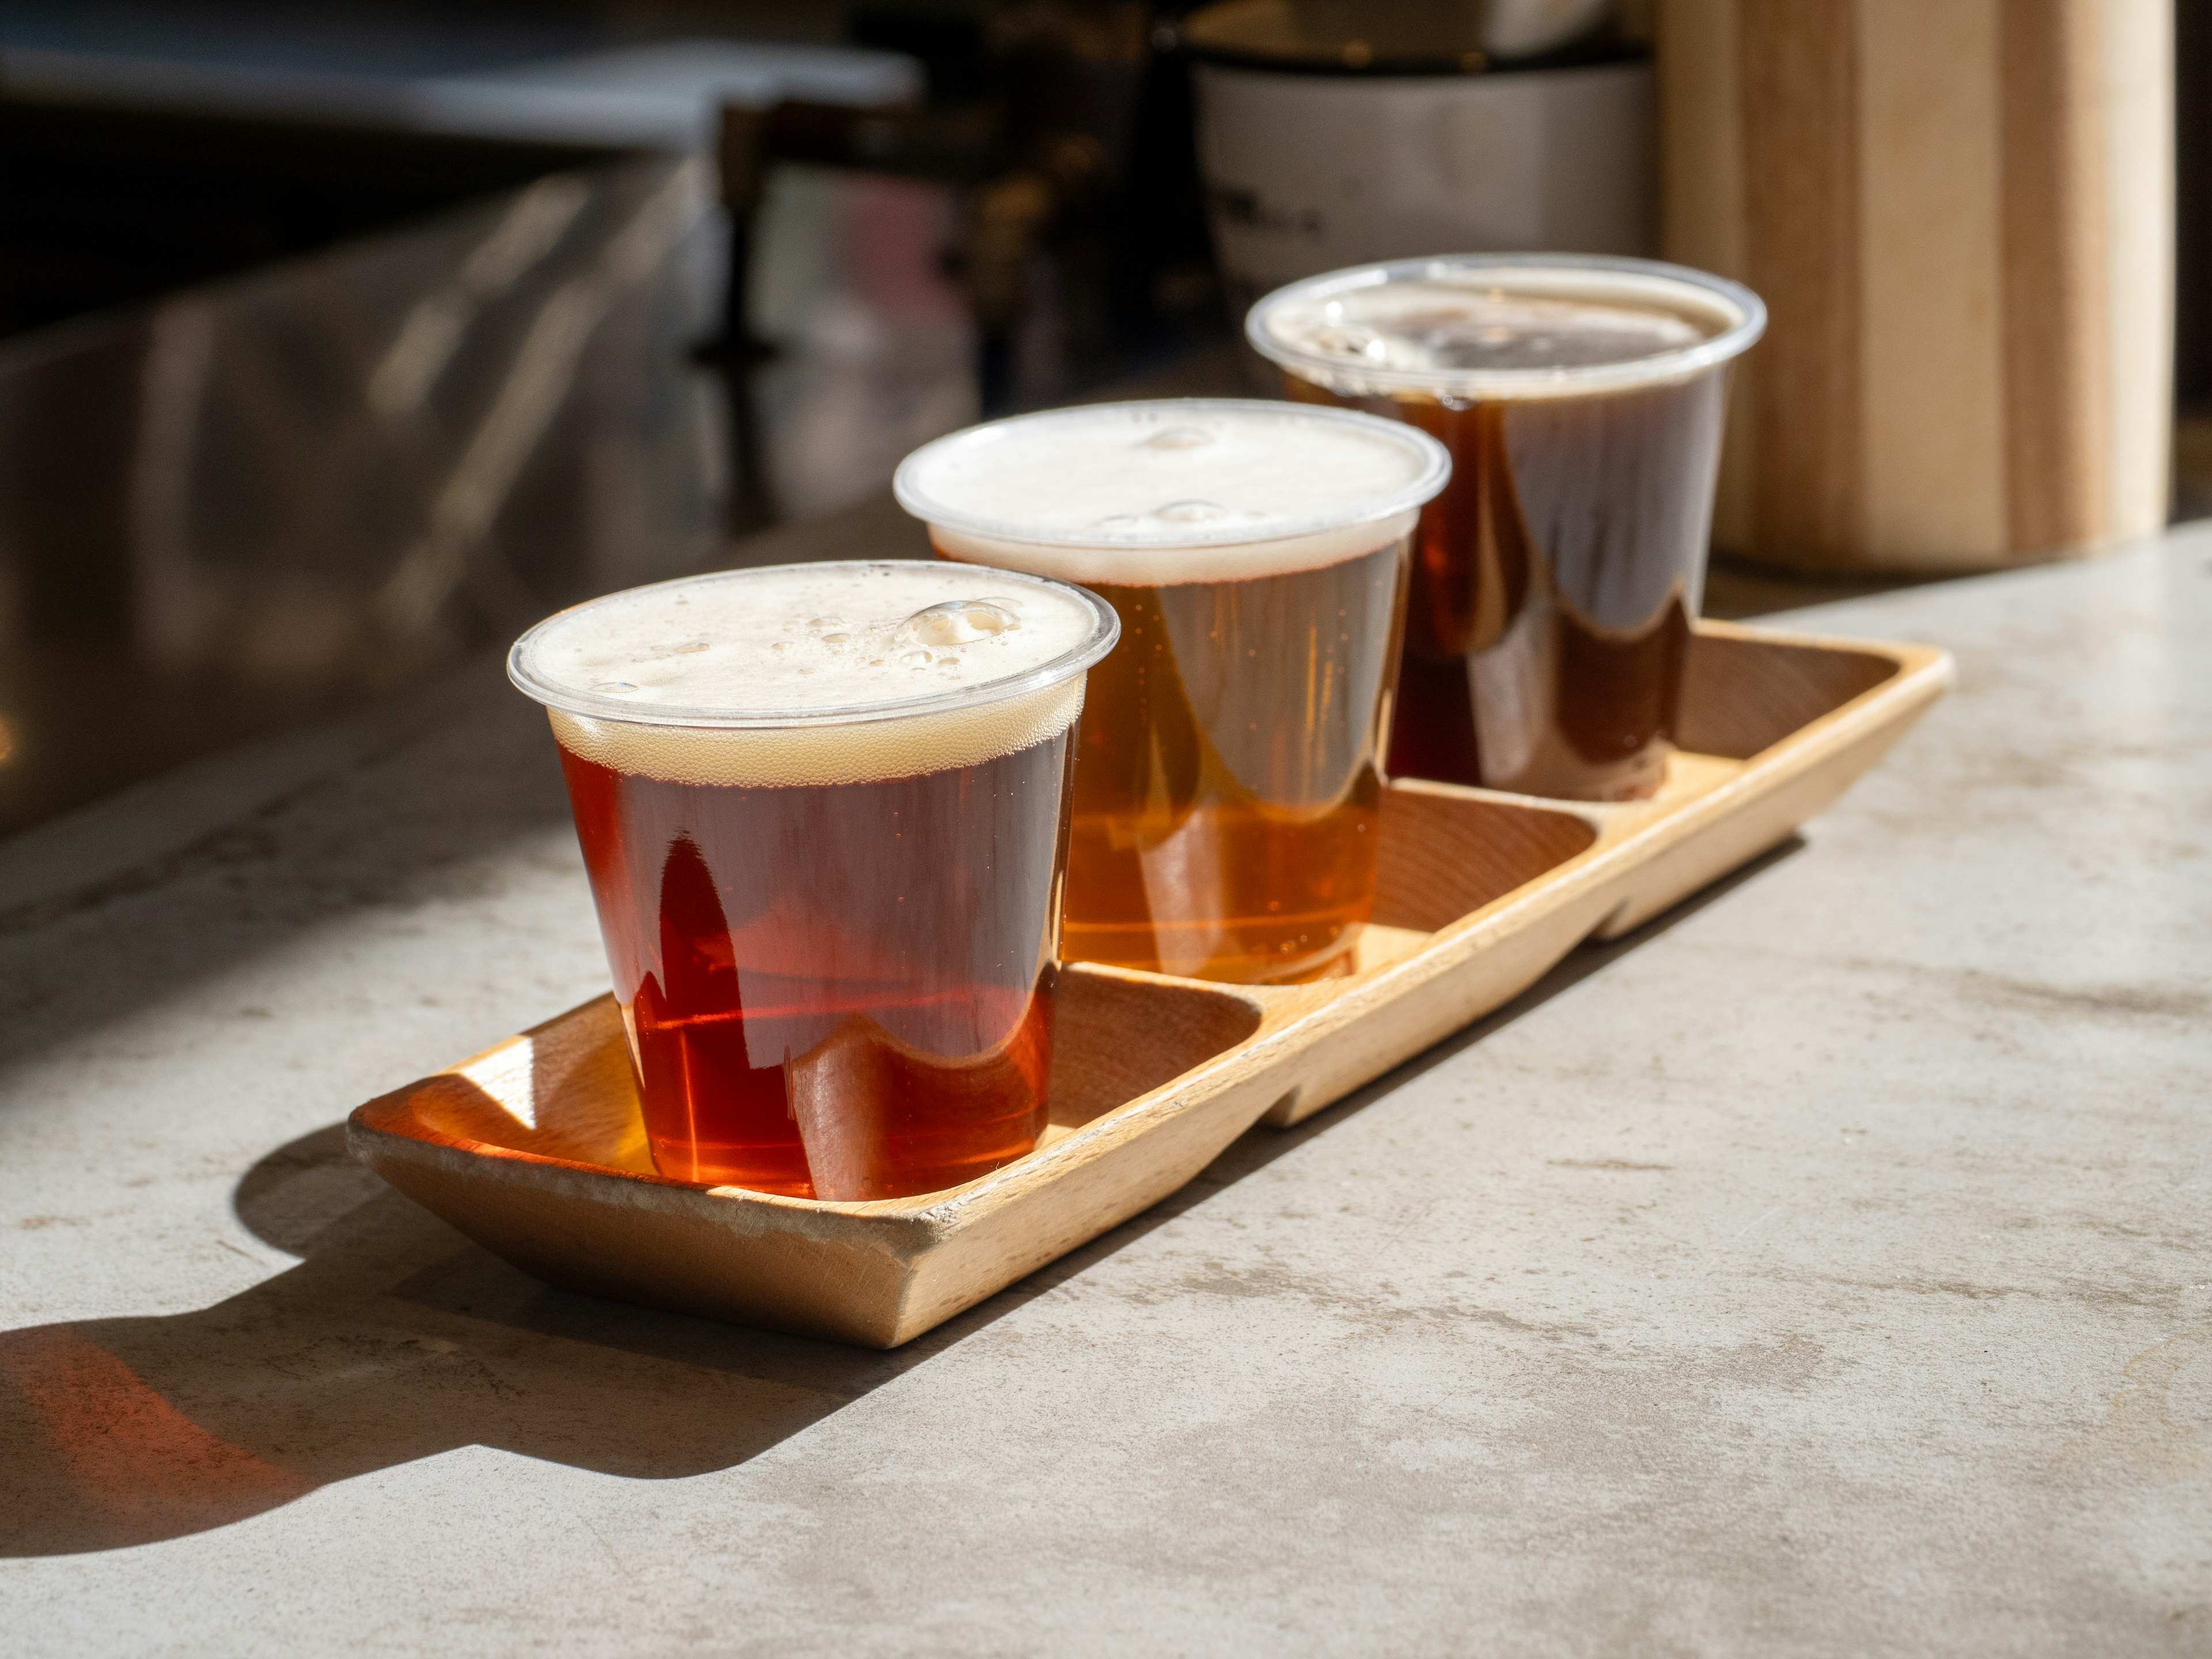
(1555, 579)
(1228, 790)
(825, 812)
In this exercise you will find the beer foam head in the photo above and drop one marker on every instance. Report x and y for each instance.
(1494, 327)
(815, 674)
(1178, 491)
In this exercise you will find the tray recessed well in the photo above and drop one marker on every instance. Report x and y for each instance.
(535, 1149)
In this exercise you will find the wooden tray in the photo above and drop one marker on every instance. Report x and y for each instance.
(534, 1148)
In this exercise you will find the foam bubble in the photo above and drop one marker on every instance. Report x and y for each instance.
(1186, 490)
(810, 674)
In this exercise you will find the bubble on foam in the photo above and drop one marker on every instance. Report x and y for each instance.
(957, 621)
(1180, 437)
(1190, 513)
(1181, 491)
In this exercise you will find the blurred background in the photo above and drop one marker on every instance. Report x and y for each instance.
(339, 340)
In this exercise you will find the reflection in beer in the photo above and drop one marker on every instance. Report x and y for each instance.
(1555, 578)
(1225, 806)
(1554, 584)
(1227, 794)
(840, 991)
(825, 812)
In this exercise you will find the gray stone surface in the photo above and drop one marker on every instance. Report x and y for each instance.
(1821, 1271)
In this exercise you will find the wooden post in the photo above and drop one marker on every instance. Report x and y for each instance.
(1960, 213)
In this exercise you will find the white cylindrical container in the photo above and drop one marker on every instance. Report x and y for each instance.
(1333, 137)
(1306, 174)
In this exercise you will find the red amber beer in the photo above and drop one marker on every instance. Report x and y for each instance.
(1228, 793)
(1555, 581)
(825, 813)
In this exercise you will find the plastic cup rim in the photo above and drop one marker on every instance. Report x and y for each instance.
(1435, 471)
(1105, 632)
(1749, 311)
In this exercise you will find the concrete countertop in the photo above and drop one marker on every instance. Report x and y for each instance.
(1822, 1270)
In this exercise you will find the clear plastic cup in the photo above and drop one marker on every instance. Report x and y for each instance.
(1227, 798)
(823, 811)
(1555, 581)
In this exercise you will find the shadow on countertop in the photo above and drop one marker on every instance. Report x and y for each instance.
(394, 1338)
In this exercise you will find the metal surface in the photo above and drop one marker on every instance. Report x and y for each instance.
(294, 489)
(280, 495)
(1818, 1271)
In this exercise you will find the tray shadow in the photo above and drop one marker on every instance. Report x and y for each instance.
(395, 1339)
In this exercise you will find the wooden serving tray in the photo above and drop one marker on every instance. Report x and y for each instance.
(535, 1149)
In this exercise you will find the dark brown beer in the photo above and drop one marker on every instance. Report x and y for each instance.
(1556, 577)
(1554, 580)
(860, 975)
(1227, 798)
